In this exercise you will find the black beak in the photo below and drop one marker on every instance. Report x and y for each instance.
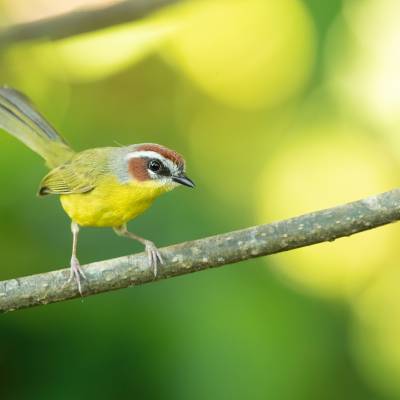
(183, 180)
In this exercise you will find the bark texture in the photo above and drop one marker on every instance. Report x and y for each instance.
(215, 251)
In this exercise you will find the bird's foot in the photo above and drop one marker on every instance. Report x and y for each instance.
(76, 273)
(153, 256)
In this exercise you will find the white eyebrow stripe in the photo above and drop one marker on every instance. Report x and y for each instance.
(145, 154)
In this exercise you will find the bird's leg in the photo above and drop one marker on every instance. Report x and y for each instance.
(76, 270)
(153, 255)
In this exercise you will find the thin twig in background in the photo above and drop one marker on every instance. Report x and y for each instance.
(82, 21)
(215, 251)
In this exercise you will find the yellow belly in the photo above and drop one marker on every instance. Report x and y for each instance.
(111, 203)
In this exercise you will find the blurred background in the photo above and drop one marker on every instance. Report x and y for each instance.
(281, 108)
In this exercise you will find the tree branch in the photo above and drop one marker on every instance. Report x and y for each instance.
(82, 21)
(214, 251)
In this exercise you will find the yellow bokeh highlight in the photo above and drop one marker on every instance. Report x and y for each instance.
(328, 165)
(368, 75)
(245, 53)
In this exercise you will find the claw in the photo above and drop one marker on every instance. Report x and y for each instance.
(153, 256)
(76, 273)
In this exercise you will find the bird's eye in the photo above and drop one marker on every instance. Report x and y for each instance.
(155, 166)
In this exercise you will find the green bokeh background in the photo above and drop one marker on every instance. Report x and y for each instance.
(239, 332)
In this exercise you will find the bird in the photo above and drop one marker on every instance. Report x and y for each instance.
(98, 187)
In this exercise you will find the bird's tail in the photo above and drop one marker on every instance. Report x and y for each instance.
(20, 118)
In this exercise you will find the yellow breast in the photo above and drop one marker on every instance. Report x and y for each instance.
(111, 203)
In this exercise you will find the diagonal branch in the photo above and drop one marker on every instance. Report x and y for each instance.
(82, 21)
(214, 251)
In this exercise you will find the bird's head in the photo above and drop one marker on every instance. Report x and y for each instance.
(157, 166)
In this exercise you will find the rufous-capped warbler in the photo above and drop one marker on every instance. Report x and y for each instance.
(101, 187)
